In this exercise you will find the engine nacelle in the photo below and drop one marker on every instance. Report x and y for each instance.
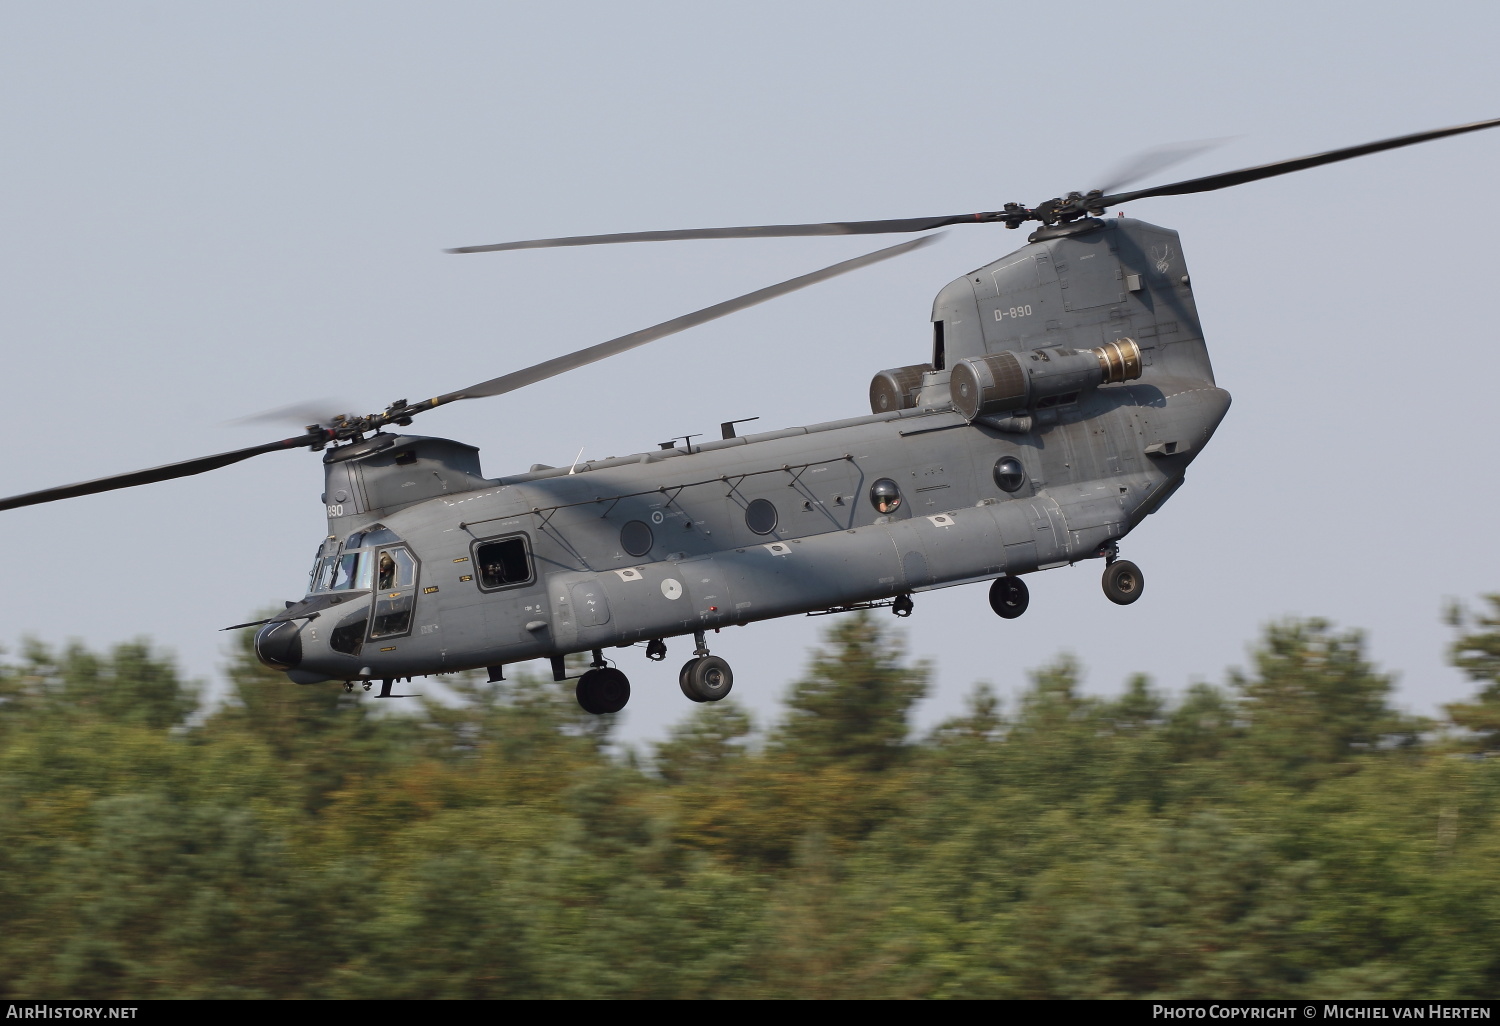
(897, 388)
(985, 385)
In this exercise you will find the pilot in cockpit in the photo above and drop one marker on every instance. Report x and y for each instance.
(386, 575)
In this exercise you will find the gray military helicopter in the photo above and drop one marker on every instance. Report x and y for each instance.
(1068, 390)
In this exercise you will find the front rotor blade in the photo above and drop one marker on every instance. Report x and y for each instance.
(550, 368)
(187, 468)
(309, 411)
(1282, 167)
(764, 231)
(1155, 160)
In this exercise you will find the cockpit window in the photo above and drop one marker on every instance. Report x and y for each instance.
(320, 578)
(379, 535)
(322, 573)
(346, 571)
(358, 565)
(394, 569)
(395, 580)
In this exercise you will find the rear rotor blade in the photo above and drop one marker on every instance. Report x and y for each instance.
(1282, 167)
(764, 231)
(187, 468)
(558, 365)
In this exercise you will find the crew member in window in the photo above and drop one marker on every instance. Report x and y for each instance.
(387, 572)
(886, 496)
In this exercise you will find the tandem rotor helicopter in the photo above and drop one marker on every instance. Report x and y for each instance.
(1068, 389)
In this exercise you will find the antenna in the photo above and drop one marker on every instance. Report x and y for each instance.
(574, 468)
(726, 429)
(686, 440)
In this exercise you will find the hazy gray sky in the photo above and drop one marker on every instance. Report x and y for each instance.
(213, 209)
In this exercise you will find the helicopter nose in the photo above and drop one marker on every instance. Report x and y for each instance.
(279, 645)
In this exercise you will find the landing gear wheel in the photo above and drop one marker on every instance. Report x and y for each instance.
(707, 679)
(603, 690)
(1009, 597)
(682, 679)
(1123, 582)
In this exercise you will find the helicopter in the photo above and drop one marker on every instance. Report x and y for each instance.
(1067, 390)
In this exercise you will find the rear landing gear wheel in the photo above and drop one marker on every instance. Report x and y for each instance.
(1009, 597)
(603, 690)
(706, 679)
(1123, 582)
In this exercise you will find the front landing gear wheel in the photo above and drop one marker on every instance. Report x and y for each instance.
(1123, 582)
(706, 679)
(603, 690)
(682, 679)
(1009, 597)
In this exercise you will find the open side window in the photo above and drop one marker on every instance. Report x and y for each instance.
(503, 562)
(395, 572)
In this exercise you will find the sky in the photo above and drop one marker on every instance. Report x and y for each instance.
(208, 210)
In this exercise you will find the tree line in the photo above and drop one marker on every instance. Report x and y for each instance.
(1286, 834)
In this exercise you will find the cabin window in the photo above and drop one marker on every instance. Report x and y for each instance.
(1009, 474)
(503, 562)
(760, 516)
(939, 357)
(885, 495)
(636, 538)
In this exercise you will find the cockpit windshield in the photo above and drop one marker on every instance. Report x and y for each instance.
(353, 565)
(324, 564)
(346, 571)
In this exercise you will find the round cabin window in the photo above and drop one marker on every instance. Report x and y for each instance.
(635, 538)
(885, 495)
(1009, 474)
(760, 516)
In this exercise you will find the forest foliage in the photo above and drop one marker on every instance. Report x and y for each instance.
(1287, 834)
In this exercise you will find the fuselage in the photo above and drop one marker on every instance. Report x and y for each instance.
(429, 567)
